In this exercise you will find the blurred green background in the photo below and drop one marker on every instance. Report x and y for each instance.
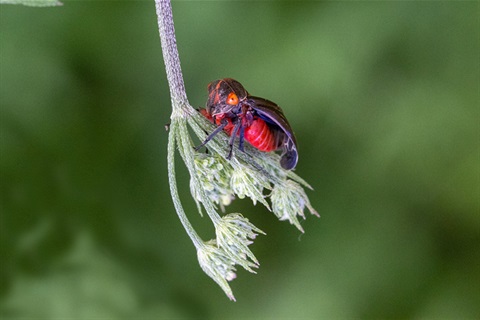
(384, 99)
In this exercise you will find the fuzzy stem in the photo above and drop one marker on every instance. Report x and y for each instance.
(197, 241)
(170, 53)
(188, 156)
(177, 89)
(179, 102)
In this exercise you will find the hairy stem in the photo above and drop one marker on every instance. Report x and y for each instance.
(170, 53)
(197, 241)
(179, 101)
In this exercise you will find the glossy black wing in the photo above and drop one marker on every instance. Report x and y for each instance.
(273, 114)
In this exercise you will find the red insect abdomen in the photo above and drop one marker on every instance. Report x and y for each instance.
(260, 136)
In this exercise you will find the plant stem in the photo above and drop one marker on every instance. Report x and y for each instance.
(197, 241)
(179, 101)
(170, 53)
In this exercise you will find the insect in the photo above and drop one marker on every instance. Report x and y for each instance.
(259, 121)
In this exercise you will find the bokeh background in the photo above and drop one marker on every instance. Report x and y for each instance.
(384, 99)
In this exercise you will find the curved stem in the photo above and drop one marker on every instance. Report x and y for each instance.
(197, 241)
(188, 155)
(179, 100)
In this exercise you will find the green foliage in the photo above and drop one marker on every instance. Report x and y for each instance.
(383, 98)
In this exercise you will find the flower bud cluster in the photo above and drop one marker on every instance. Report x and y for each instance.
(214, 174)
(215, 181)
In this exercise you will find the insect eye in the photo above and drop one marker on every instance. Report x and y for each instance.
(232, 99)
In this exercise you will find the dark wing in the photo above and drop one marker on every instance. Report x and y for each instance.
(273, 114)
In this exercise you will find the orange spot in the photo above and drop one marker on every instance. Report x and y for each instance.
(232, 99)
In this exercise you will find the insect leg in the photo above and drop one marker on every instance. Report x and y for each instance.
(241, 138)
(238, 124)
(223, 124)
